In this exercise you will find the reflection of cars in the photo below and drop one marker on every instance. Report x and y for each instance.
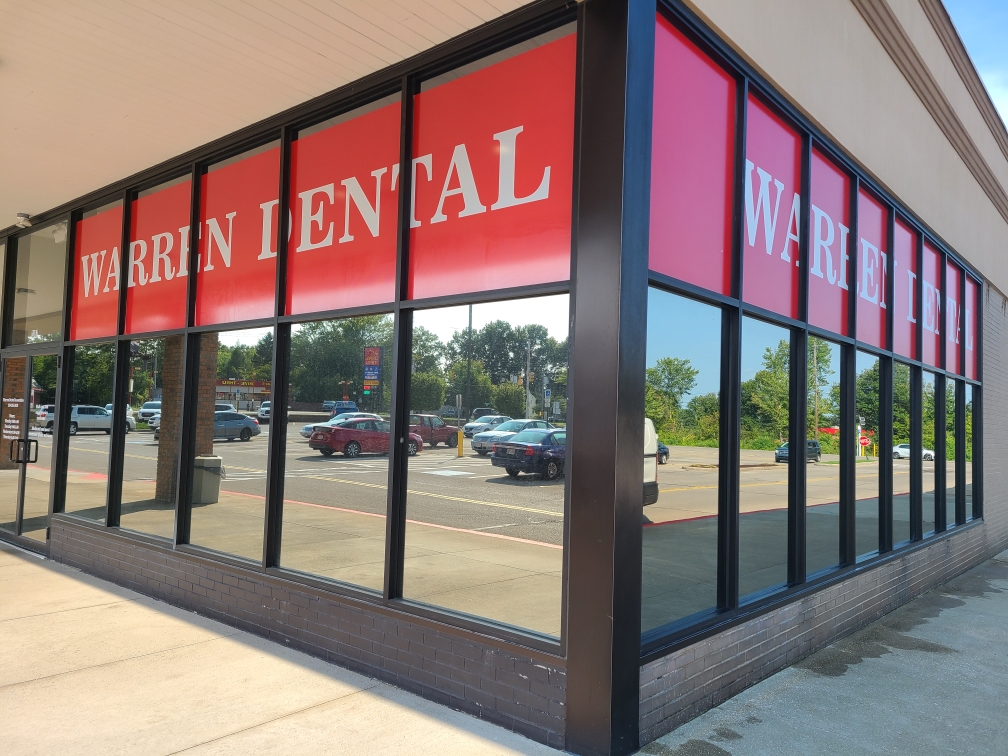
(650, 462)
(155, 422)
(813, 452)
(232, 425)
(484, 423)
(328, 404)
(89, 417)
(130, 420)
(360, 436)
(45, 416)
(433, 430)
(148, 410)
(483, 443)
(662, 454)
(340, 407)
(307, 430)
(224, 407)
(264, 411)
(537, 451)
(902, 451)
(481, 411)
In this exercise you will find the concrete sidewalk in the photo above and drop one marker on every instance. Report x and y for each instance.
(89, 667)
(929, 678)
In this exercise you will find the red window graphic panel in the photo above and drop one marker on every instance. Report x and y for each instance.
(493, 171)
(238, 213)
(829, 255)
(905, 309)
(691, 164)
(95, 311)
(931, 306)
(872, 270)
(772, 212)
(953, 318)
(158, 260)
(344, 190)
(971, 316)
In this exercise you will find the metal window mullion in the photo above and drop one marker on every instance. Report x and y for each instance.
(848, 422)
(61, 447)
(941, 518)
(117, 442)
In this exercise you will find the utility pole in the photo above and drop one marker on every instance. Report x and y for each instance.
(528, 369)
(468, 405)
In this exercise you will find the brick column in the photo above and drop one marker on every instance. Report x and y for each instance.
(171, 419)
(206, 394)
(13, 409)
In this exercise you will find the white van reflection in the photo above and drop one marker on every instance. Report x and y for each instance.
(650, 463)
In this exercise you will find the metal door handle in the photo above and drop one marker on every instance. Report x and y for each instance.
(11, 450)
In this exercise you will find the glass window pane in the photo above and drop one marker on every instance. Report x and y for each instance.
(872, 270)
(953, 319)
(344, 189)
(763, 499)
(822, 484)
(3, 268)
(90, 429)
(905, 305)
(968, 456)
(866, 461)
(13, 418)
(150, 462)
(493, 172)
(335, 485)
(95, 311)
(928, 428)
(901, 452)
(772, 212)
(158, 259)
(484, 533)
(38, 285)
(950, 451)
(229, 472)
(38, 473)
(238, 207)
(932, 306)
(682, 389)
(829, 255)
(691, 189)
(972, 315)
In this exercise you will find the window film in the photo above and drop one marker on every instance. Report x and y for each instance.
(98, 237)
(157, 265)
(38, 285)
(691, 189)
(763, 496)
(829, 252)
(971, 317)
(901, 452)
(336, 478)
(238, 215)
(872, 270)
(682, 390)
(772, 212)
(931, 306)
(953, 318)
(484, 530)
(150, 461)
(866, 459)
(228, 495)
(822, 483)
(905, 304)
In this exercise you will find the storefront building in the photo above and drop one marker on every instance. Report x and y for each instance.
(786, 258)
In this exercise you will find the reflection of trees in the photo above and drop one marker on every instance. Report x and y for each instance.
(765, 397)
(93, 368)
(822, 408)
(246, 362)
(901, 404)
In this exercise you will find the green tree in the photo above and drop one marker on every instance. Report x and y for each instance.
(427, 352)
(670, 379)
(765, 395)
(479, 384)
(426, 392)
(508, 399)
(820, 368)
(901, 403)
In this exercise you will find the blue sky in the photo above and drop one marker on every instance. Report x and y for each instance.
(983, 26)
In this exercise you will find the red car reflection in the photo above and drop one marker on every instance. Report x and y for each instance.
(356, 437)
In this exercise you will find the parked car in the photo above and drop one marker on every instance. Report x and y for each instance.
(328, 404)
(482, 411)
(155, 422)
(89, 417)
(45, 416)
(231, 425)
(359, 436)
(148, 410)
(813, 452)
(902, 451)
(343, 406)
(224, 407)
(264, 411)
(662, 454)
(650, 463)
(130, 420)
(483, 443)
(538, 451)
(483, 423)
(433, 430)
(307, 430)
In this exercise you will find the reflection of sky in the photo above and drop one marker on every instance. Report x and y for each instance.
(248, 336)
(757, 335)
(684, 328)
(552, 312)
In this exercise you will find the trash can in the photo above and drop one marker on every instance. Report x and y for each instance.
(207, 473)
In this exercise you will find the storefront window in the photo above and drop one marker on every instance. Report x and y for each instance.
(772, 212)
(228, 495)
(951, 450)
(95, 311)
(905, 305)
(866, 460)
(953, 319)
(90, 430)
(150, 463)
(928, 453)
(902, 450)
(872, 270)
(344, 190)
(158, 259)
(931, 306)
(484, 530)
(763, 497)
(691, 188)
(971, 317)
(682, 401)
(493, 172)
(237, 245)
(336, 478)
(38, 285)
(968, 452)
(829, 251)
(822, 484)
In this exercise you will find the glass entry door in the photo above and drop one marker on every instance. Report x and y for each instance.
(28, 409)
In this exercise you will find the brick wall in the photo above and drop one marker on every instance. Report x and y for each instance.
(524, 692)
(13, 409)
(206, 393)
(170, 430)
(683, 685)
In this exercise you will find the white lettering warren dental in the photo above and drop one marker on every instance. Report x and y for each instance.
(92, 273)
(216, 235)
(371, 215)
(459, 166)
(762, 201)
(506, 176)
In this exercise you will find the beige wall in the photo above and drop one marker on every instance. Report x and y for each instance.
(825, 58)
